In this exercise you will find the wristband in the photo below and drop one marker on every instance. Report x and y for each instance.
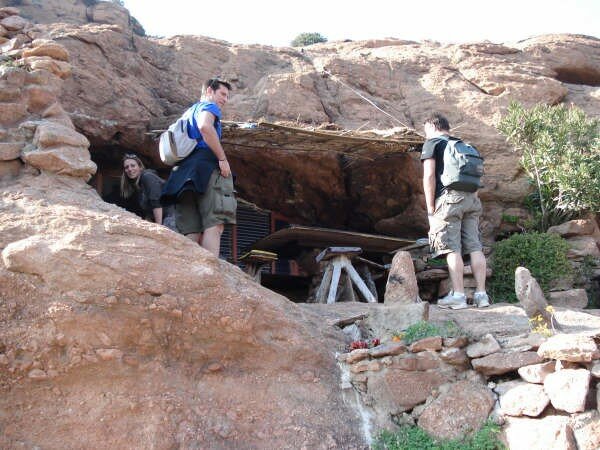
(221, 160)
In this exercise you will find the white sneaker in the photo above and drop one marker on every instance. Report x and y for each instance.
(481, 299)
(453, 301)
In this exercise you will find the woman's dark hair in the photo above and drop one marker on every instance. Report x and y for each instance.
(129, 186)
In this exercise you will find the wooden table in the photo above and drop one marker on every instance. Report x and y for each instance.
(338, 259)
(255, 260)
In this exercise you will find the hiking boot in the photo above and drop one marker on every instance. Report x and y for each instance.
(453, 301)
(481, 299)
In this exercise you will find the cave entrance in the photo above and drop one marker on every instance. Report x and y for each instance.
(288, 177)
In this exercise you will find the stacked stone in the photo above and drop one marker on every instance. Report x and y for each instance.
(583, 237)
(34, 128)
(441, 384)
(534, 407)
(418, 383)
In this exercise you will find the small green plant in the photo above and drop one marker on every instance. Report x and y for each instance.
(410, 437)
(421, 330)
(425, 329)
(304, 39)
(545, 255)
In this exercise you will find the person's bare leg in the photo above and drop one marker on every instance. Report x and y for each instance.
(478, 265)
(194, 237)
(456, 270)
(211, 239)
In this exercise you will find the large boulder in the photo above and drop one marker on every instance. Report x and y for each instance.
(135, 334)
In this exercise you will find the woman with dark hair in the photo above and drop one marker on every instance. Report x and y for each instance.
(146, 186)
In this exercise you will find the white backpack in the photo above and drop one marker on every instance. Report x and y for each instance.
(175, 143)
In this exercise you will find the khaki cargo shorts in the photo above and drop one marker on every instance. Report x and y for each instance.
(454, 226)
(195, 212)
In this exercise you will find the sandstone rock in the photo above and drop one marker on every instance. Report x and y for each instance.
(581, 246)
(531, 297)
(13, 76)
(387, 349)
(10, 113)
(580, 227)
(401, 285)
(533, 340)
(14, 23)
(110, 13)
(357, 355)
(39, 98)
(51, 49)
(383, 321)
(49, 135)
(398, 390)
(9, 11)
(536, 373)
(573, 298)
(461, 410)
(9, 169)
(59, 68)
(456, 342)
(569, 347)
(485, 346)
(109, 354)
(499, 363)
(523, 399)
(94, 243)
(70, 161)
(548, 433)
(432, 343)
(586, 429)
(10, 150)
(455, 356)
(568, 389)
(9, 94)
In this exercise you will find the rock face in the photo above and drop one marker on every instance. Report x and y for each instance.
(124, 83)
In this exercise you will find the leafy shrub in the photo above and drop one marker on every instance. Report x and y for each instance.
(412, 438)
(304, 39)
(425, 329)
(545, 255)
(561, 155)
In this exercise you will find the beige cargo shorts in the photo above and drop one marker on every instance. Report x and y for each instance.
(195, 212)
(454, 226)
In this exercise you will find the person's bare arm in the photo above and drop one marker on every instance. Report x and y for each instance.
(158, 215)
(429, 184)
(209, 134)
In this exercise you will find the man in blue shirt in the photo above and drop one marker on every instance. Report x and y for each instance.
(201, 185)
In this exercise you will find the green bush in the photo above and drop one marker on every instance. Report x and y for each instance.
(425, 329)
(545, 255)
(560, 149)
(304, 39)
(414, 438)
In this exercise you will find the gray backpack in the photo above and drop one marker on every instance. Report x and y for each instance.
(463, 166)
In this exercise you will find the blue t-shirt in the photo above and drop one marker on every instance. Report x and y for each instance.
(193, 172)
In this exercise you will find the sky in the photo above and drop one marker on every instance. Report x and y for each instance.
(277, 23)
